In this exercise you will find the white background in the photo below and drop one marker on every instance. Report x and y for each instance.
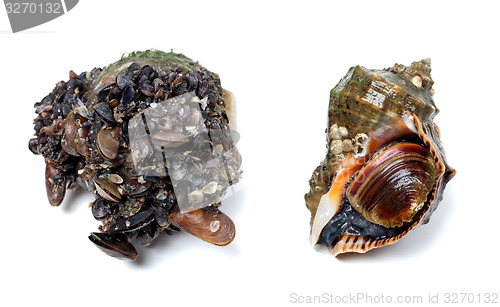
(280, 59)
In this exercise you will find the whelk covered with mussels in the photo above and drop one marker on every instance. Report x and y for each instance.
(385, 169)
(149, 136)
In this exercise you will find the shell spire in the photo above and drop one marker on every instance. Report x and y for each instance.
(424, 66)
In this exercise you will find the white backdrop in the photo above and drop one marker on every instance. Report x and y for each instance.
(280, 59)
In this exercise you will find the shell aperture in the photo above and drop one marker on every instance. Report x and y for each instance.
(385, 169)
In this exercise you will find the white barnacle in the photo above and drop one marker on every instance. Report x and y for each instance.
(417, 81)
(203, 103)
(347, 145)
(343, 131)
(334, 132)
(336, 147)
(196, 197)
(361, 139)
(214, 226)
(360, 151)
(210, 188)
(361, 142)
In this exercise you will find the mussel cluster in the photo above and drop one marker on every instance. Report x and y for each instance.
(83, 130)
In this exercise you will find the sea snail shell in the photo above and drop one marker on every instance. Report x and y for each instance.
(385, 170)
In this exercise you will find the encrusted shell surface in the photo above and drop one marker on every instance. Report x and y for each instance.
(385, 169)
(89, 130)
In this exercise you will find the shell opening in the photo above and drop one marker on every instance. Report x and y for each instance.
(393, 186)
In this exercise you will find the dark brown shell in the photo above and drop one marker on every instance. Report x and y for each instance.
(369, 191)
(108, 142)
(76, 135)
(55, 184)
(115, 245)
